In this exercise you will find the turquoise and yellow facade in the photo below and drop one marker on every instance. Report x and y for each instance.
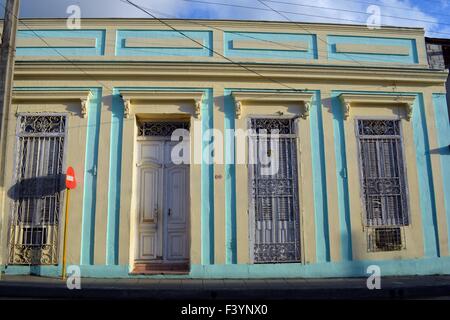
(113, 73)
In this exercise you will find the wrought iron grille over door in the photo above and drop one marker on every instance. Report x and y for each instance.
(383, 173)
(274, 206)
(37, 191)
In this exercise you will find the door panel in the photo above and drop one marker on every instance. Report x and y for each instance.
(177, 206)
(149, 204)
(151, 151)
(176, 245)
(163, 204)
(148, 245)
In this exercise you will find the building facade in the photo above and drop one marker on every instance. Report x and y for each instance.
(438, 51)
(354, 121)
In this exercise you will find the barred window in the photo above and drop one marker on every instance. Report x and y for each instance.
(382, 172)
(37, 190)
(274, 197)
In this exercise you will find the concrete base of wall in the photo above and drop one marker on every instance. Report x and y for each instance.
(425, 266)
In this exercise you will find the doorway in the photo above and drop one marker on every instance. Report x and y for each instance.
(162, 237)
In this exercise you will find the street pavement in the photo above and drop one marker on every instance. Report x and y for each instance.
(414, 287)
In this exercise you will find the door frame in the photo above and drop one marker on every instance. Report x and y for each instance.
(134, 247)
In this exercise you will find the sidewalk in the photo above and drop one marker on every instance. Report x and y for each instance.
(31, 287)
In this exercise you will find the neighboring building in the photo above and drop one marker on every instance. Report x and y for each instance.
(363, 171)
(438, 51)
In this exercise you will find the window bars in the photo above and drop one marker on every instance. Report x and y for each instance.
(383, 182)
(385, 239)
(37, 192)
(274, 198)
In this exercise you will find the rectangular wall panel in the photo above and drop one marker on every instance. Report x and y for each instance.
(270, 45)
(164, 43)
(60, 42)
(372, 49)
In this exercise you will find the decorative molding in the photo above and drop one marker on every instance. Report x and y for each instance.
(133, 97)
(304, 98)
(270, 45)
(307, 106)
(238, 109)
(44, 42)
(127, 108)
(44, 96)
(198, 108)
(281, 72)
(372, 49)
(351, 99)
(134, 42)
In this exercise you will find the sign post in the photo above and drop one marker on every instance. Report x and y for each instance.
(71, 183)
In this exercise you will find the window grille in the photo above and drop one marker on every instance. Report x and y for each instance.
(160, 129)
(37, 191)
(385, 239)
(274, 206)
(382, 173)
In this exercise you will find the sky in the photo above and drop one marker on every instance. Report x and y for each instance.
(432, 15)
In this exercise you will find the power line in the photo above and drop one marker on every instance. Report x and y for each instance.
(56, 50)
(195, 41)
(293, 13)
(323, 55)
(382, 5)
(208, 48)
(358, 12)
(106, 86)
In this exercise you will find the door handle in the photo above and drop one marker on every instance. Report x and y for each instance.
(169, 212)
(155, 215)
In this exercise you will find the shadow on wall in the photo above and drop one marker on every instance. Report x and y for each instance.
(31, 190)
(441, 151)
(37, 187)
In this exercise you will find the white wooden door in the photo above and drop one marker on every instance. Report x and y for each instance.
(163, 205)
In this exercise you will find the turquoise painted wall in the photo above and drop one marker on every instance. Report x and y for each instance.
(230, 180)
(203, 37)
(115, 175)
(90, 178)
(443, 149)
(425, 266)
(341, 177)
(68, 49)
(207, 187)
(289, 51)
(411, 58)
(319, 181)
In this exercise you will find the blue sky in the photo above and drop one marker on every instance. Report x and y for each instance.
(433, 15)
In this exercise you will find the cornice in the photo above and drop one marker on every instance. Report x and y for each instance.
(241, 97)
(49, 96)
(132, 97)
(117, 70)
(349, 100)
(284, 26)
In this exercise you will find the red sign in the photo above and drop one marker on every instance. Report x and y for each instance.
(71, 183)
